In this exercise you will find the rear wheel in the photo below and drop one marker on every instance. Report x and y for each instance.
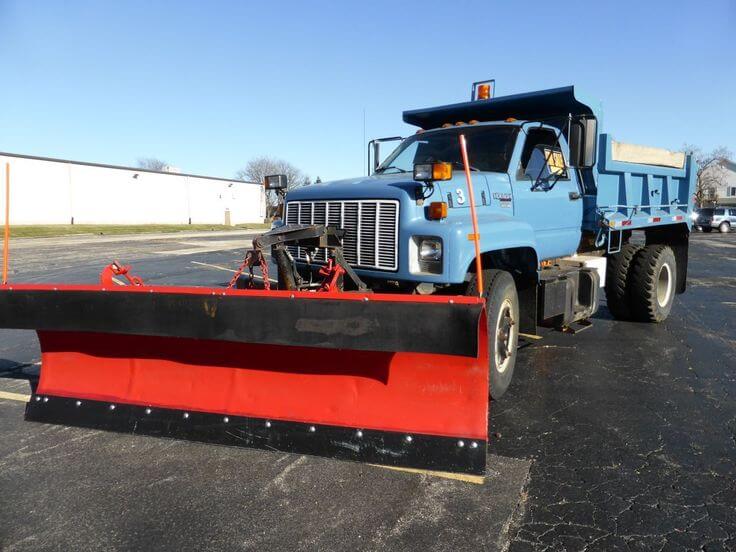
(617, 281)
(653, 283)
(724, 228)
(502, 312)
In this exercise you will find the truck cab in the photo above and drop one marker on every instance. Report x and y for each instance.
(528, 196)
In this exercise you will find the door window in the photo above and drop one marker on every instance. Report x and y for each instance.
(542, 161)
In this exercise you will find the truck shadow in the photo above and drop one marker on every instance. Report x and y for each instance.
(603, 313)
(13, 370)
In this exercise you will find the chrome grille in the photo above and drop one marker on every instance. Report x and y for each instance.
(371, 229)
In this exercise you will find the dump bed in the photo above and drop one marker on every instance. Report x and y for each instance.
(640, 186)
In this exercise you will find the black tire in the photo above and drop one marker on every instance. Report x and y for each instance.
(617, 281)
(707, 229)
(724, 228)
(502, 311)
(653, 283)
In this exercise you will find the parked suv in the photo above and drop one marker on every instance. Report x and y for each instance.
(722, 218)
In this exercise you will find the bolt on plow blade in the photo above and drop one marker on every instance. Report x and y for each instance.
(386, 379)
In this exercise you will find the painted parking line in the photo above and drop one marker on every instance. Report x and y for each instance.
(475, 479)
(218, 267)
(14, 396)
(194, 248)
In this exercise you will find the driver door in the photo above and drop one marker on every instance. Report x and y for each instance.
(546, 193)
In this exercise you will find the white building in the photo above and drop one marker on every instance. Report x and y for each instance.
(57, 191)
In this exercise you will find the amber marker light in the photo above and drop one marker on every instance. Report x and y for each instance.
(437, 210)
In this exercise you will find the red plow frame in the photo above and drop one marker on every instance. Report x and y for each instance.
(390, 379)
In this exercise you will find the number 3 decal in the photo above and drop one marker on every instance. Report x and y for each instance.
(460, 196)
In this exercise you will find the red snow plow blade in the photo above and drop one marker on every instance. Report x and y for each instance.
(386, 379)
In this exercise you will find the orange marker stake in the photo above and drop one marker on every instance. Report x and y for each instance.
(473, 216)
(6, 240)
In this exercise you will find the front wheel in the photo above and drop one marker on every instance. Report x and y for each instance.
(502, 315)
(707, 229)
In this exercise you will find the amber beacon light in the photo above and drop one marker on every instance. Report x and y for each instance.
(483, 90)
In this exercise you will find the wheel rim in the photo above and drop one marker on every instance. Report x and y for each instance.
(505, 336)
(664, 285)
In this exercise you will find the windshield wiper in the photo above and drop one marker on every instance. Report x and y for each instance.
(382, 169)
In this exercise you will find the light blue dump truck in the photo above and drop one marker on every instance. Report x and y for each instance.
(563, 211)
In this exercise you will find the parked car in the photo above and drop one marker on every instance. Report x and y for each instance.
(722, 218)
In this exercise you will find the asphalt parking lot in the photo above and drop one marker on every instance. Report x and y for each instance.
(621, 437)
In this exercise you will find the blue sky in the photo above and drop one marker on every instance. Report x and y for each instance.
(208, 85)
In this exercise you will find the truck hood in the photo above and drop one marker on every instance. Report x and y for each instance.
(389, 186)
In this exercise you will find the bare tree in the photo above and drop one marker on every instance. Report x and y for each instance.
(152, 164)
(259, 167)
(711, 174)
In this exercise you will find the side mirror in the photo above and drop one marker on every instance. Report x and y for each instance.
(276, 182)
(582, 141)
(374, 148)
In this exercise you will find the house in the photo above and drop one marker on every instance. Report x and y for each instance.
(723, 192)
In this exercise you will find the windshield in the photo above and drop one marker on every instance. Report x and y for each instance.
(705, 212)
(489, 149)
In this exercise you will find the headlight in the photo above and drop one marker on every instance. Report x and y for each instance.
(425, 255)
(430, 250)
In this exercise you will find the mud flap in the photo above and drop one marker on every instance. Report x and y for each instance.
(397, 380)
